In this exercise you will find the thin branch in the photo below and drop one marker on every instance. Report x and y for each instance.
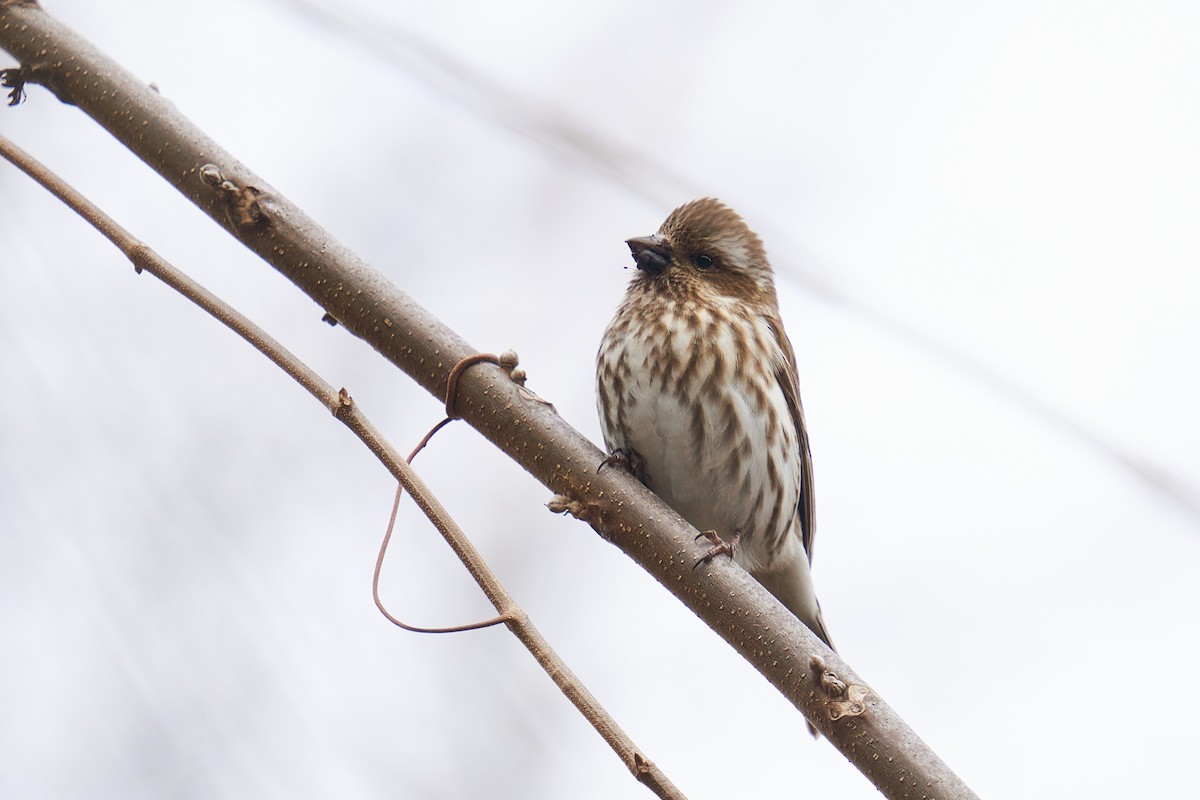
(817, 681)
(546, 126)
(347, 411)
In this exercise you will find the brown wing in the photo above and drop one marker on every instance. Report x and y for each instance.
(786, 375)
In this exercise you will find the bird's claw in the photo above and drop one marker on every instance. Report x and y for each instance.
(719, 546)
(628, 459)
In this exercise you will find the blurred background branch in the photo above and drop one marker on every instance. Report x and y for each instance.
(558, 136)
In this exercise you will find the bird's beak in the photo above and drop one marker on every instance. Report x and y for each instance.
(652, 253)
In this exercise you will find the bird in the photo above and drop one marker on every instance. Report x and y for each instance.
(698, 397)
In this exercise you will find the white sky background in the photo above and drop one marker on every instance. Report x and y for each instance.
(186, 538)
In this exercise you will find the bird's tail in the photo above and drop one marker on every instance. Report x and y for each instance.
(794, 588)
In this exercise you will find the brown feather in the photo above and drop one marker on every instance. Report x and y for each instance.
(786, 375)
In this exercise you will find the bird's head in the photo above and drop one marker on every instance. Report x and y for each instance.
(704, 246)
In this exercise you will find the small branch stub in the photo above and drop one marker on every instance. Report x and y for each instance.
(241, 203)
(561, 504)
(508, 363)
(845, 700)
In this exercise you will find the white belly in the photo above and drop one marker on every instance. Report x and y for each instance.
(719, 447)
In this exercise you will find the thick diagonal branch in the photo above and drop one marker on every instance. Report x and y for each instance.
(816, 680)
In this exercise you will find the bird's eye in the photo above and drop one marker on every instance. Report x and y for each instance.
(703, 261)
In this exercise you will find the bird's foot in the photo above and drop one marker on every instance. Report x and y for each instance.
(719, 546)
(628, 459)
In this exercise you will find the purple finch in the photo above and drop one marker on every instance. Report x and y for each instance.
(697, 392)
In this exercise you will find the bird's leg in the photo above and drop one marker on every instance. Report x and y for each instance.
(719, 546)
(628, 459)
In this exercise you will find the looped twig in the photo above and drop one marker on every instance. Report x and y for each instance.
(387, 537)
(452, 381)
(451, 393)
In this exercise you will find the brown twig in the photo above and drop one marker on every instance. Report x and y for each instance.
(346, 411)
(452, 384)
(391, 526)
(451, 393)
